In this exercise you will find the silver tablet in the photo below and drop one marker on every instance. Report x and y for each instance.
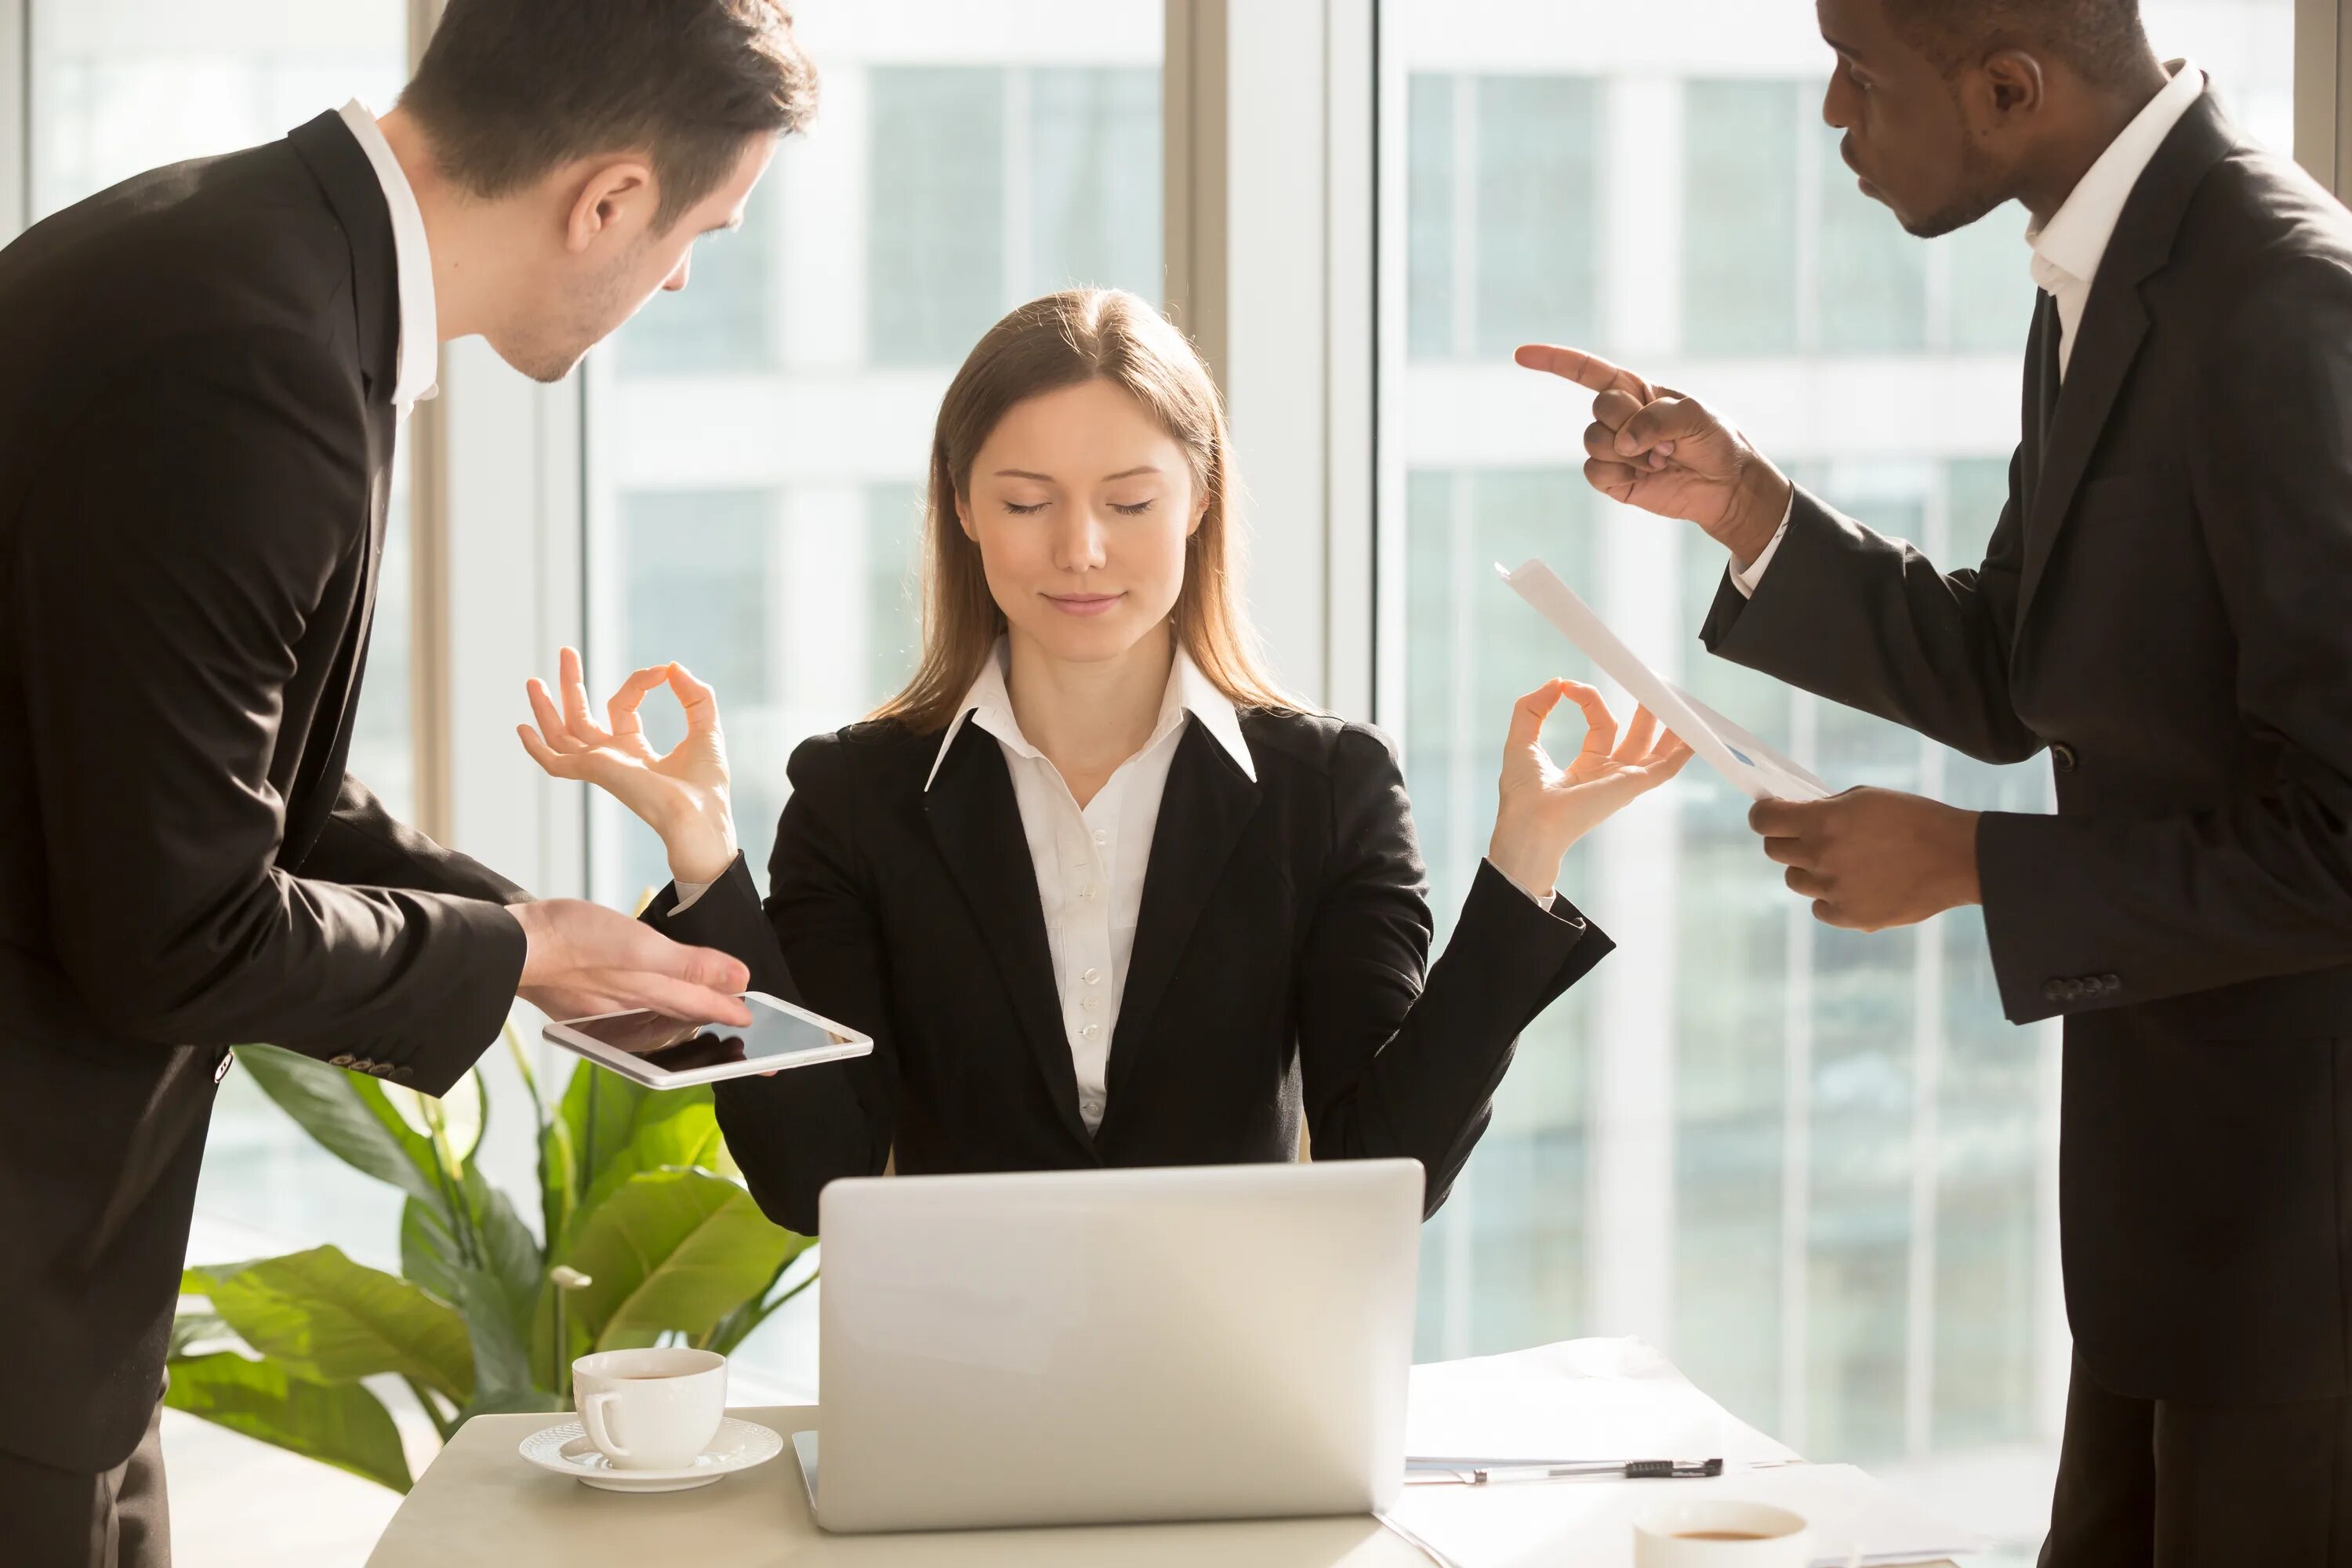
(662, 1053)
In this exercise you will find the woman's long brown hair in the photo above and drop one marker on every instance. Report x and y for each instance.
(1064, 339)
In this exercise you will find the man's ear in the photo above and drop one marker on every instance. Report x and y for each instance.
(610, 195)
(2014, 83)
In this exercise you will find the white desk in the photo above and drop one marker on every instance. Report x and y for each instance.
(480, 1505)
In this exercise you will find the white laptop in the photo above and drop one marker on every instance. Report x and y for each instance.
(1114, 1346)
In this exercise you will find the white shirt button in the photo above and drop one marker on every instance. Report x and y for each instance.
(1092, 977)
(1087, 892)
(1091, 1004)
(1091, 1030)
(1102, 836)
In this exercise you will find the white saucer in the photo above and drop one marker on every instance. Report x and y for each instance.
(565, 1450)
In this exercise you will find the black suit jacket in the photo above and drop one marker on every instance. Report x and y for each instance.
(196, 440)
(2166, 606)
(1280, 970)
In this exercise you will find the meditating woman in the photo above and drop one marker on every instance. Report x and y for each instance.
(1102, 894)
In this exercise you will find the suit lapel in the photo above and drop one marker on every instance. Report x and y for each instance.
(2114, 324)
(1208, 803)
(976, 821)
(354, 192)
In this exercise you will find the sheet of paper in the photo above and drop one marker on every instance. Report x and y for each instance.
(1581, 1399)
(1753, 767)
(1857, 1521)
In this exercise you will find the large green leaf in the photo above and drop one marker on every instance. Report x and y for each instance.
(192, 1329)
(496, 1292)
(671, 1249)
(348, 1114)
(599, 1111)
(727, 1336)
(325, 1318)
(499, 1336)
(432, 1247)
(341, 1425)
(665, 1137)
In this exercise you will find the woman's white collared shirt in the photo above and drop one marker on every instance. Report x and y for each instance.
(1090, 861)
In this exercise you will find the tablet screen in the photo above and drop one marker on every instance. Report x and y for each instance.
(673, 1047)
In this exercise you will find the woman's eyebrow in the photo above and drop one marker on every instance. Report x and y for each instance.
(1023, 474)
(1131, 473)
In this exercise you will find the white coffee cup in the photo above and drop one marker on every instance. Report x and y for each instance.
(1711, 1533)
(650, 1409)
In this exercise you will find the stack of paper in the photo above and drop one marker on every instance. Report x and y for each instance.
(1620, 1399)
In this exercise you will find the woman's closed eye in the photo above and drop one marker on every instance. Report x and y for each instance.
(1133, 509)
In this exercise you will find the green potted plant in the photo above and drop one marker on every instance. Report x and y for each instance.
(646, 1236)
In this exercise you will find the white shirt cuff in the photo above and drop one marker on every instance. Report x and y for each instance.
(687, 892)
(1544, 902)
(1746, 578)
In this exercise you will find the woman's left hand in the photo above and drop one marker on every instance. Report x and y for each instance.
(1545, 807)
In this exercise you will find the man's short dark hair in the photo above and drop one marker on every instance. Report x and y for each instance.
(509, 90)
(2101, 39)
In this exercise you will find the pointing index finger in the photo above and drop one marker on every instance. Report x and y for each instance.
(1589, 370)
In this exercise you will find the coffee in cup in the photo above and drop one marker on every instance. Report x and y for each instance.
(1711, 1533)
(650, 1409)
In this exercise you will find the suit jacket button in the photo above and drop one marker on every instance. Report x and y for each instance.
(344, 1059)
(2062, 754)
(2053, 991)
(402, 1075)
(2110, 983)
(379, 1069)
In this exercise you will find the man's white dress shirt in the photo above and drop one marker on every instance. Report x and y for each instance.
(2067, 249)
(420, 330)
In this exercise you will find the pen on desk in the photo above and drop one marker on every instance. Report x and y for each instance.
(1481, 1472)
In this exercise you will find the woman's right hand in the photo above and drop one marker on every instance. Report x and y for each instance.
(680, 794)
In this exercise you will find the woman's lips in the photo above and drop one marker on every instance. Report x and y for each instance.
(1084, 603)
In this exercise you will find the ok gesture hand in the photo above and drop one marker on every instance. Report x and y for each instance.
(681, 794)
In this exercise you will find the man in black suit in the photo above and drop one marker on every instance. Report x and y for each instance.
(200, 373)
(2163, 608)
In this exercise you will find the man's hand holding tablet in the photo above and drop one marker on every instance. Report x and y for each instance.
(660, 1052)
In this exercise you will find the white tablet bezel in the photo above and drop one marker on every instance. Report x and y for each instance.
(636, 1069)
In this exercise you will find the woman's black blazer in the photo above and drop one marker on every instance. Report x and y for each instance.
(1281, 967)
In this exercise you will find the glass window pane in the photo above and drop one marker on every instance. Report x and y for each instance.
(935, 239)
(1740, 297)
(1854, 1245)
(1537, 229)
(1092, 130)
(1871, 280)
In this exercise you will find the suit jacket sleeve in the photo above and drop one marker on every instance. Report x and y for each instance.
(1867, 621)
(365, 845)
(174, 554)
(1399, 1058)
(796, 1131)
(2260, 884)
